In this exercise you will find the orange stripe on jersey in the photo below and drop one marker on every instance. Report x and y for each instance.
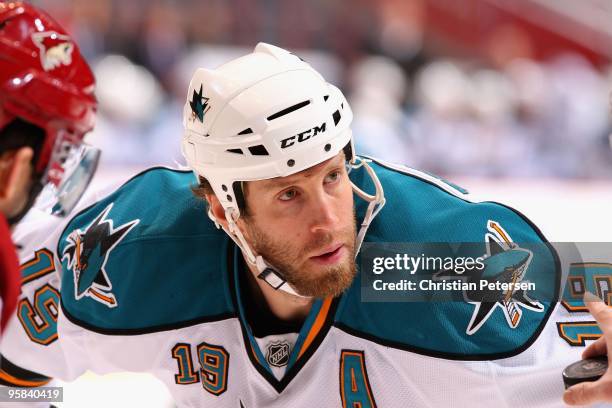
(21, 383)
(316, 326)
(572, 308)
(500, 232)
(581, 337)
(101, 296)
(515, 319)
(77, 253)
(37, 259)
(592, 265)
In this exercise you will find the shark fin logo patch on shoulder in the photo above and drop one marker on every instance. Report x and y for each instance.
(88, 251)
(516, 261)
(505, 262)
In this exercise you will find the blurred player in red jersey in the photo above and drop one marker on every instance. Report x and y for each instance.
(47, 105)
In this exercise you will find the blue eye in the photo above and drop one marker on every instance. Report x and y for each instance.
(333, 176)
(288, 195)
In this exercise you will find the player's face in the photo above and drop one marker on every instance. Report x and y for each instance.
(304, 225)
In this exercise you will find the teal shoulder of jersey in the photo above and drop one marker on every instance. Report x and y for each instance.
(422, 209)
(145, 258)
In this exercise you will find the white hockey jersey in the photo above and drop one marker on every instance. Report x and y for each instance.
(148, 284)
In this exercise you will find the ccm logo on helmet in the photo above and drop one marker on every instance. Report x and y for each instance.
(303, 136)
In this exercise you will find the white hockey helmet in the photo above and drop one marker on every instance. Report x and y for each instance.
(264, 115)
(267, 114)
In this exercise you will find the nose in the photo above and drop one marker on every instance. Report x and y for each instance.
(324, 212)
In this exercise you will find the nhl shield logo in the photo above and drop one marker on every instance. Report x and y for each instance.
(55, 49)
(278, 354)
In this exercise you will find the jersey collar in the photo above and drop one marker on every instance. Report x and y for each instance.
(312, 333)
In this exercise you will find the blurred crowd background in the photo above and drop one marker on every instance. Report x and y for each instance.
(496, 88)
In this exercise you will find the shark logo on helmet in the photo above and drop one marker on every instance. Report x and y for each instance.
(87, 253)
(55, 49)
(199, 105)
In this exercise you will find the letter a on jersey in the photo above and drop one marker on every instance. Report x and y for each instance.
(87, 253)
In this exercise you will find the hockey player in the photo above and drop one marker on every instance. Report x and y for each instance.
(267, 312)
(46, 107)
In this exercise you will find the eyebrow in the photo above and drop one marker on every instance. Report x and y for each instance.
(283, 182)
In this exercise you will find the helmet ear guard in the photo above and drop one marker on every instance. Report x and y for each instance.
(265, 115)
(349, 151)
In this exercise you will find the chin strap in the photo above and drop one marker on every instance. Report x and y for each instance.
(375, 202)
(271, 275)
(264, 270)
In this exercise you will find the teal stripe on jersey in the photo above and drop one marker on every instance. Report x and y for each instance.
(312, 316)
(238, 269)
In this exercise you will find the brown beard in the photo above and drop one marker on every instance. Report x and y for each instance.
(325, 281)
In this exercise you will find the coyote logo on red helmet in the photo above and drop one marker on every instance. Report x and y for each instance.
(55, 49)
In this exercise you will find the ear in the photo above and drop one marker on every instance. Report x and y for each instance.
(218, 212)
(217, 209)
(15, 180)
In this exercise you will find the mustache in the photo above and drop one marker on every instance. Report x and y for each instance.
(274, 249)
(319, 242)
(324, 239)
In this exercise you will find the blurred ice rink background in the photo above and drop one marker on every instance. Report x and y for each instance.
(509, 98)
(485, 88)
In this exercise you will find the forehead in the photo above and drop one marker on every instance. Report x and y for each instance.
(304, 174)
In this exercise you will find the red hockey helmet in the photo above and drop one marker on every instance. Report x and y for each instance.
(45, 81)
